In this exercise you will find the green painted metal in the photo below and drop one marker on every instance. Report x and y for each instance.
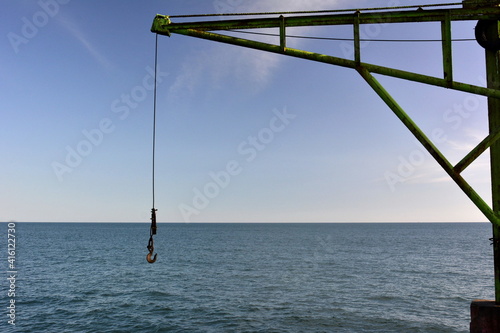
(431, 148)
(162, 23)
(476, 152)
(283, 33)
(473, 10)
(493, 81)
(447, 50)
(357, 40)
(480, 3)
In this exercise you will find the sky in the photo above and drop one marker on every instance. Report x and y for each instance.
(241, 135)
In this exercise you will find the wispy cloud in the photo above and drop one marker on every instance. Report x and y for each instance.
(80, 36)
(293, 5)
(470, 138)
(250, 67)
(477, 172)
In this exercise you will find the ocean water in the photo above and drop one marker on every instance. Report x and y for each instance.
(89, 277)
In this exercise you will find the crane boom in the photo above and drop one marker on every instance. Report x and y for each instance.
(486, 12)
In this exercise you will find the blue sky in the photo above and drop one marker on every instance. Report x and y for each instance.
(242, 135)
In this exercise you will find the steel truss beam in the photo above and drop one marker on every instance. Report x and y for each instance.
(162, 25)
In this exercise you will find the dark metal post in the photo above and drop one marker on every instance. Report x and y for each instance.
(485, 315)
(493, 79)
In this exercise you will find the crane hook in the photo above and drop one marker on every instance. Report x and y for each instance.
(151, 249)
(152, 232)
(148, 257)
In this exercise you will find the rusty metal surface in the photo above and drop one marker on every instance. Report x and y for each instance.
(163, 25)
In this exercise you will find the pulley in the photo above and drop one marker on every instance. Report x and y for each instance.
(487, 34)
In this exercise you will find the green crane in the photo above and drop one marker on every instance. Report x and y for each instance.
(485, 12)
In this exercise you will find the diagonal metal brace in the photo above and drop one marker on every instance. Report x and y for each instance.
(476, 152)
(429, 146)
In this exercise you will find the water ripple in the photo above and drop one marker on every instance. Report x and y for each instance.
(253, 278)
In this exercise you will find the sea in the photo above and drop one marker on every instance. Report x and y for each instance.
(251, 277)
